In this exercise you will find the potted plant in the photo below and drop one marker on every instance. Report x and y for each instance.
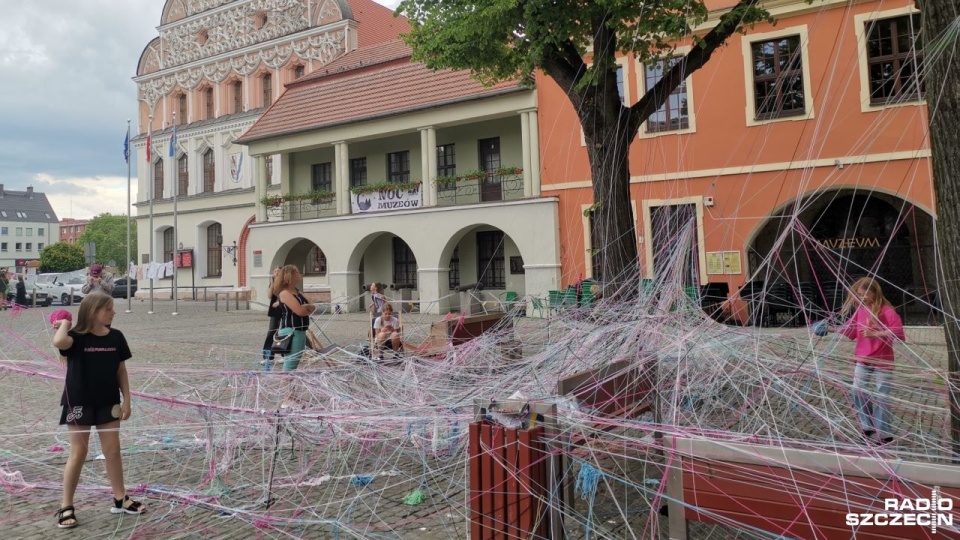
(444, 182)
(318, 196)
(509, 171)
(474, 175)
(272, 201)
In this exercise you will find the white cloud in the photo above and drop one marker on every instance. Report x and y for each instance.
(66, 68)
(84, 198)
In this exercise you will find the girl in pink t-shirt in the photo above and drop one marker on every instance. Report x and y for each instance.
(874, 326)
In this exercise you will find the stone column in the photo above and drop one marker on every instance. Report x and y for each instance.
(341, 178)
(525, 148)
(428, 164)
(345, 290)
(433, 284)
(535, 152)
(531, 152)
(260, 186)
(539, 279)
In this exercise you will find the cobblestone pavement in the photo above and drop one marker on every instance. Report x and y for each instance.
(198, 337)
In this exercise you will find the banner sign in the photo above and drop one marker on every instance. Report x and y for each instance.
(236, 167)
(386, 200)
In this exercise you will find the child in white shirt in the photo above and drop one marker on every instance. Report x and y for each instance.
(387, 328)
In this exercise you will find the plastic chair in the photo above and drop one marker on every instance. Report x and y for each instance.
(509, 301)
(555, 300)
(538, 306)
(586, 297)
(569, 297)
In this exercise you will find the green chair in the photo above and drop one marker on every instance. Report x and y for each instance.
(569, 298)
(509, 301)
(538, 306)
(586, 297)
(647, 287)
(554, 298)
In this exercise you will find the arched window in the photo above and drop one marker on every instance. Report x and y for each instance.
(182, 107)
(168, 244)
(183, 177)
(158, 179)
(298, 72)
(316, 263)
(214, 259)
(267, 85)
(208, 171)
(208, 102)
(237, 97)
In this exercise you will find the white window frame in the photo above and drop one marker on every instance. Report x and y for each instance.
(648, 206)
(588, 236)
(623, 62)
(641, 69)
(746, 43)
(860, 32)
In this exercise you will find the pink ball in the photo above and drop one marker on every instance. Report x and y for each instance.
(60, 314)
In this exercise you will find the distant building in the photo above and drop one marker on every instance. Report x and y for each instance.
(214, 68)
(71, 229)
(27, 224)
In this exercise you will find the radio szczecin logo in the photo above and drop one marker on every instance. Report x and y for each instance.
(933, 512)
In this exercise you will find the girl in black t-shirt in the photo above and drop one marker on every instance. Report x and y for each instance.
(96, 378)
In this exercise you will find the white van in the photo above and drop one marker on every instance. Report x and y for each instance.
(59, 286)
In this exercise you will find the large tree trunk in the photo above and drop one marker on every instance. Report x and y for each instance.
(943, 103)
(613, 233)
(609, 128)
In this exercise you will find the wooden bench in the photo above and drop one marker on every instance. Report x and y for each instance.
(619, 390)
(794, 493)
(453, 332)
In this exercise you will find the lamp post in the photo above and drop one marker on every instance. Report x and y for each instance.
(127, 266)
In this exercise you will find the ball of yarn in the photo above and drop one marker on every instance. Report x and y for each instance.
(60, 314)
(820, 328)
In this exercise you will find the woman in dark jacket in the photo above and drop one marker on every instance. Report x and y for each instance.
(273, 311)
(21, 291)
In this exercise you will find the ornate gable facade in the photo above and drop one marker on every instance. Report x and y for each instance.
(207, 42)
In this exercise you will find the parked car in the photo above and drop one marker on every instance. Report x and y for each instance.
(120, 287)
(59, 286)
(43, 298)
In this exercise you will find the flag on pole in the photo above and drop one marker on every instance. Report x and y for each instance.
(126, 146)
(173, 141)
(149, 150)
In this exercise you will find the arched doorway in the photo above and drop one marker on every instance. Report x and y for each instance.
(806, 252)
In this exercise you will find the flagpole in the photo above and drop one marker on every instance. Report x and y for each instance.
(127, 266)
(150, 191)
(176, 187)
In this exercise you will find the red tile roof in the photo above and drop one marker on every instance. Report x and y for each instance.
(377, 23)
(370, 56)
(390, 84)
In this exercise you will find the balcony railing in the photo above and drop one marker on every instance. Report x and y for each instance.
(471, 190)
(474, 190)
(303, 209)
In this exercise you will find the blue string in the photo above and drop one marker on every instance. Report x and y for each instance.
(359, 480)
(587, 480)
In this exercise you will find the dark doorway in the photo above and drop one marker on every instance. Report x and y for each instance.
(490, 188)
(675, 246)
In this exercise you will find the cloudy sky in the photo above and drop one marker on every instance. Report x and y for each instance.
(66, 95)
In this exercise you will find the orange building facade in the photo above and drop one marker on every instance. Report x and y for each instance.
(797, 157)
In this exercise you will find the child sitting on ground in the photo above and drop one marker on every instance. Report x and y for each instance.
(387, 329)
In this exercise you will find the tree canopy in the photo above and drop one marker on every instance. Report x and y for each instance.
(109, 233)
(510, 39)
(62, 257)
